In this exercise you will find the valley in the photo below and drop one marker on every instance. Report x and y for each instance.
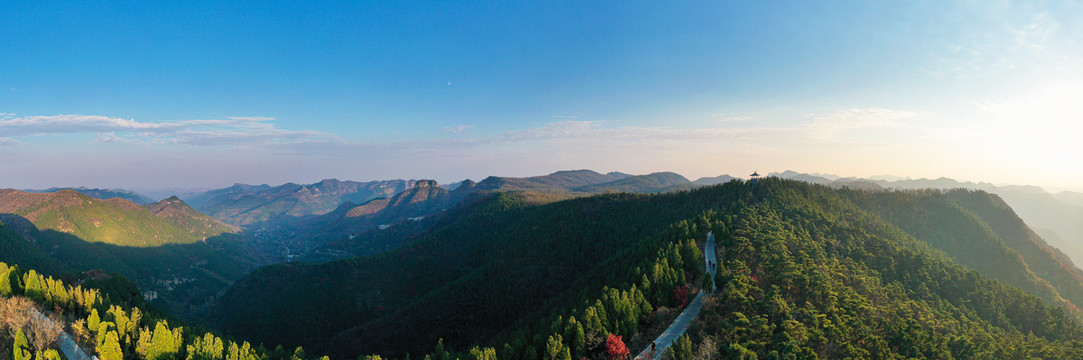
(604, 253)
(540, 180)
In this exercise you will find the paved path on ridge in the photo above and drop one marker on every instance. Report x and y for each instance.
(681, 324)
(67, 346)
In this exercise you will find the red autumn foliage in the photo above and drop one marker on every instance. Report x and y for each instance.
(614, 346)
(680, 295)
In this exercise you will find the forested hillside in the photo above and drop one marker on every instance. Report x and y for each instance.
(807, 272)
(808, 275)
(106, 317)
(1008, 251)
(183, 258)
(113, 221)
(437, 286)
(16, 250)
(177, 213)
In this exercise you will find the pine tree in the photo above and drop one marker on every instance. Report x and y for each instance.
(93, 321)
(49, 354)
(163, 343)
(103, 328)
(555, 348)
(110, 347)
(121, 319)
(482, 353)
(579, 342)
(680, 350)
(5, 280)
(21, 348)
(208, 347)
(33, 286)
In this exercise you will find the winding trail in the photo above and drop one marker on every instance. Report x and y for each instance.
(682, 322)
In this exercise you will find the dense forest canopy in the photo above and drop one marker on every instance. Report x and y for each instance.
(807, 271)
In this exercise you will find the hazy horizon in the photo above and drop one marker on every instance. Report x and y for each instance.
(204, 95)
(163, 192)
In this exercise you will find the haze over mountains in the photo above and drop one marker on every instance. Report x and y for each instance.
(1056, 216)
(1059, 217)
(481, 274)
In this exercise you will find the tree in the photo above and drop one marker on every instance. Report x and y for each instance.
(79, 329)
(440, 353)
(615, 347)
(93, 320)
(120, 317)
(555, 349)
(579, 341)
(6, 280)
(21, 348)
(164, 343)
(42, 330)
(477, 353)
(110, 347)
(103, 329)
(680, 350)
(680, 296)
(14, 313)
(208, 347)
(49, 354)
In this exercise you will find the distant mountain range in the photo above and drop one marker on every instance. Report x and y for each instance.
(506, 261)
(103, 194)
(242, 204)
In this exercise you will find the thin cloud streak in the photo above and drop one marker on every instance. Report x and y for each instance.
(231, 131)
(849, 141)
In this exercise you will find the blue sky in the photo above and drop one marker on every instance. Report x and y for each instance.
(205, 94)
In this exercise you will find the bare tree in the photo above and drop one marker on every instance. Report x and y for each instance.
(14, 313)
(707, 350)
(42, 331)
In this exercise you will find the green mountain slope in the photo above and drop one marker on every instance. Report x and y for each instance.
(174, 211)
(113, 221)
(566, 181)
(807, 271)
(1059, 216)
(809, 276)
(981, 232)
(650, 183)
(184, 258)
(535, 249)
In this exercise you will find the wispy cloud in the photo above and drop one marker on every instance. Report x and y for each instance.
(4, 142)
(559, 129)
(261, 151)
(458, 129)
(572, 116)
(231, 131)
(10, 125)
